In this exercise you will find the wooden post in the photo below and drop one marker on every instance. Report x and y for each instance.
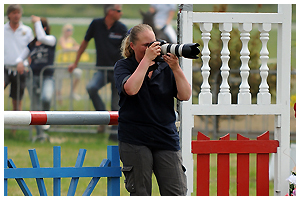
(56, 164)
(242, 171)
(203, 147)
(20, 181)
(113, 183)
(223, 171)
(5, 166)
(35, 164)
(203, 169)
(186, 117)
(109, 168)
(205, 96)
(262, 170)
(74, 180)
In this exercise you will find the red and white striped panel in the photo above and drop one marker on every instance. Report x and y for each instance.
(61, 117)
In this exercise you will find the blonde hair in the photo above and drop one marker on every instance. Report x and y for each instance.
(67, 26)
(127, 51)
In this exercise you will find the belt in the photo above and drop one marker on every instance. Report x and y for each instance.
(13, 69)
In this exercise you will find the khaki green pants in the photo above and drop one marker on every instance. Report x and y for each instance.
(138, 164)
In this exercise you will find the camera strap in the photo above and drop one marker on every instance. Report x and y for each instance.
(152, 68)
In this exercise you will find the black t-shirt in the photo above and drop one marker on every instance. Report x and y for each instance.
(107, 42)
(41, 56)
(148, 118)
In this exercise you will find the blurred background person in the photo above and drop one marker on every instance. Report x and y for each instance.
(67, 42)
(67, 47)
(41, 51)
(108, 33)
(16, 37)
(164, 14)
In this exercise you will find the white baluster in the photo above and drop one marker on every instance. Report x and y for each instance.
(264, 97)
(205, 96)
(244, 95)
(224, 97)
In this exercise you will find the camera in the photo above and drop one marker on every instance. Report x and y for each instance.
(189, 50)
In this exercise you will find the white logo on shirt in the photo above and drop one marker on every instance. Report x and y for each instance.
(113, 35)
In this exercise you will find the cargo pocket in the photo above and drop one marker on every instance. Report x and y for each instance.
(129, 178)
(183, 168)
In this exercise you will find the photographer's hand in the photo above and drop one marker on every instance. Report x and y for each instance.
(153, 51)
(172, 60)
(184, 90)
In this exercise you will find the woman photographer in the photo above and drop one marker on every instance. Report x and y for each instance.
(41, 51)
(148, 138)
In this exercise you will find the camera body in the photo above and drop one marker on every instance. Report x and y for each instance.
(189, 50)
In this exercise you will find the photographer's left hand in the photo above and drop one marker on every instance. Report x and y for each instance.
(172, 60)
(183, 87)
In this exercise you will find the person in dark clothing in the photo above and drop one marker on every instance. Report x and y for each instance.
(108, 33)
(42, 52)
(148, 138)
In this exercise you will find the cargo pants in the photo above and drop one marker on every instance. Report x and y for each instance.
(138, 164)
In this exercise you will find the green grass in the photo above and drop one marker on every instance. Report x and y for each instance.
(96, 145)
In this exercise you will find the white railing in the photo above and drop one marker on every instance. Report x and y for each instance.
(224, 106)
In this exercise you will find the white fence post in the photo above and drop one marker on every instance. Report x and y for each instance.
(244, 95)
(281, 109)
(224, 97)
(186, 117)
(264, 97)
(205, 96)
(282, 122)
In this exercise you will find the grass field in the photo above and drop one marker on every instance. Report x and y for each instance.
(70, 144)
(95, 144)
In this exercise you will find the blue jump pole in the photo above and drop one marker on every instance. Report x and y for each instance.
(5, 166)
(113, 183)
(56, 164)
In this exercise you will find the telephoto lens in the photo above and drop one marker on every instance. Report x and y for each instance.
(189, 50)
